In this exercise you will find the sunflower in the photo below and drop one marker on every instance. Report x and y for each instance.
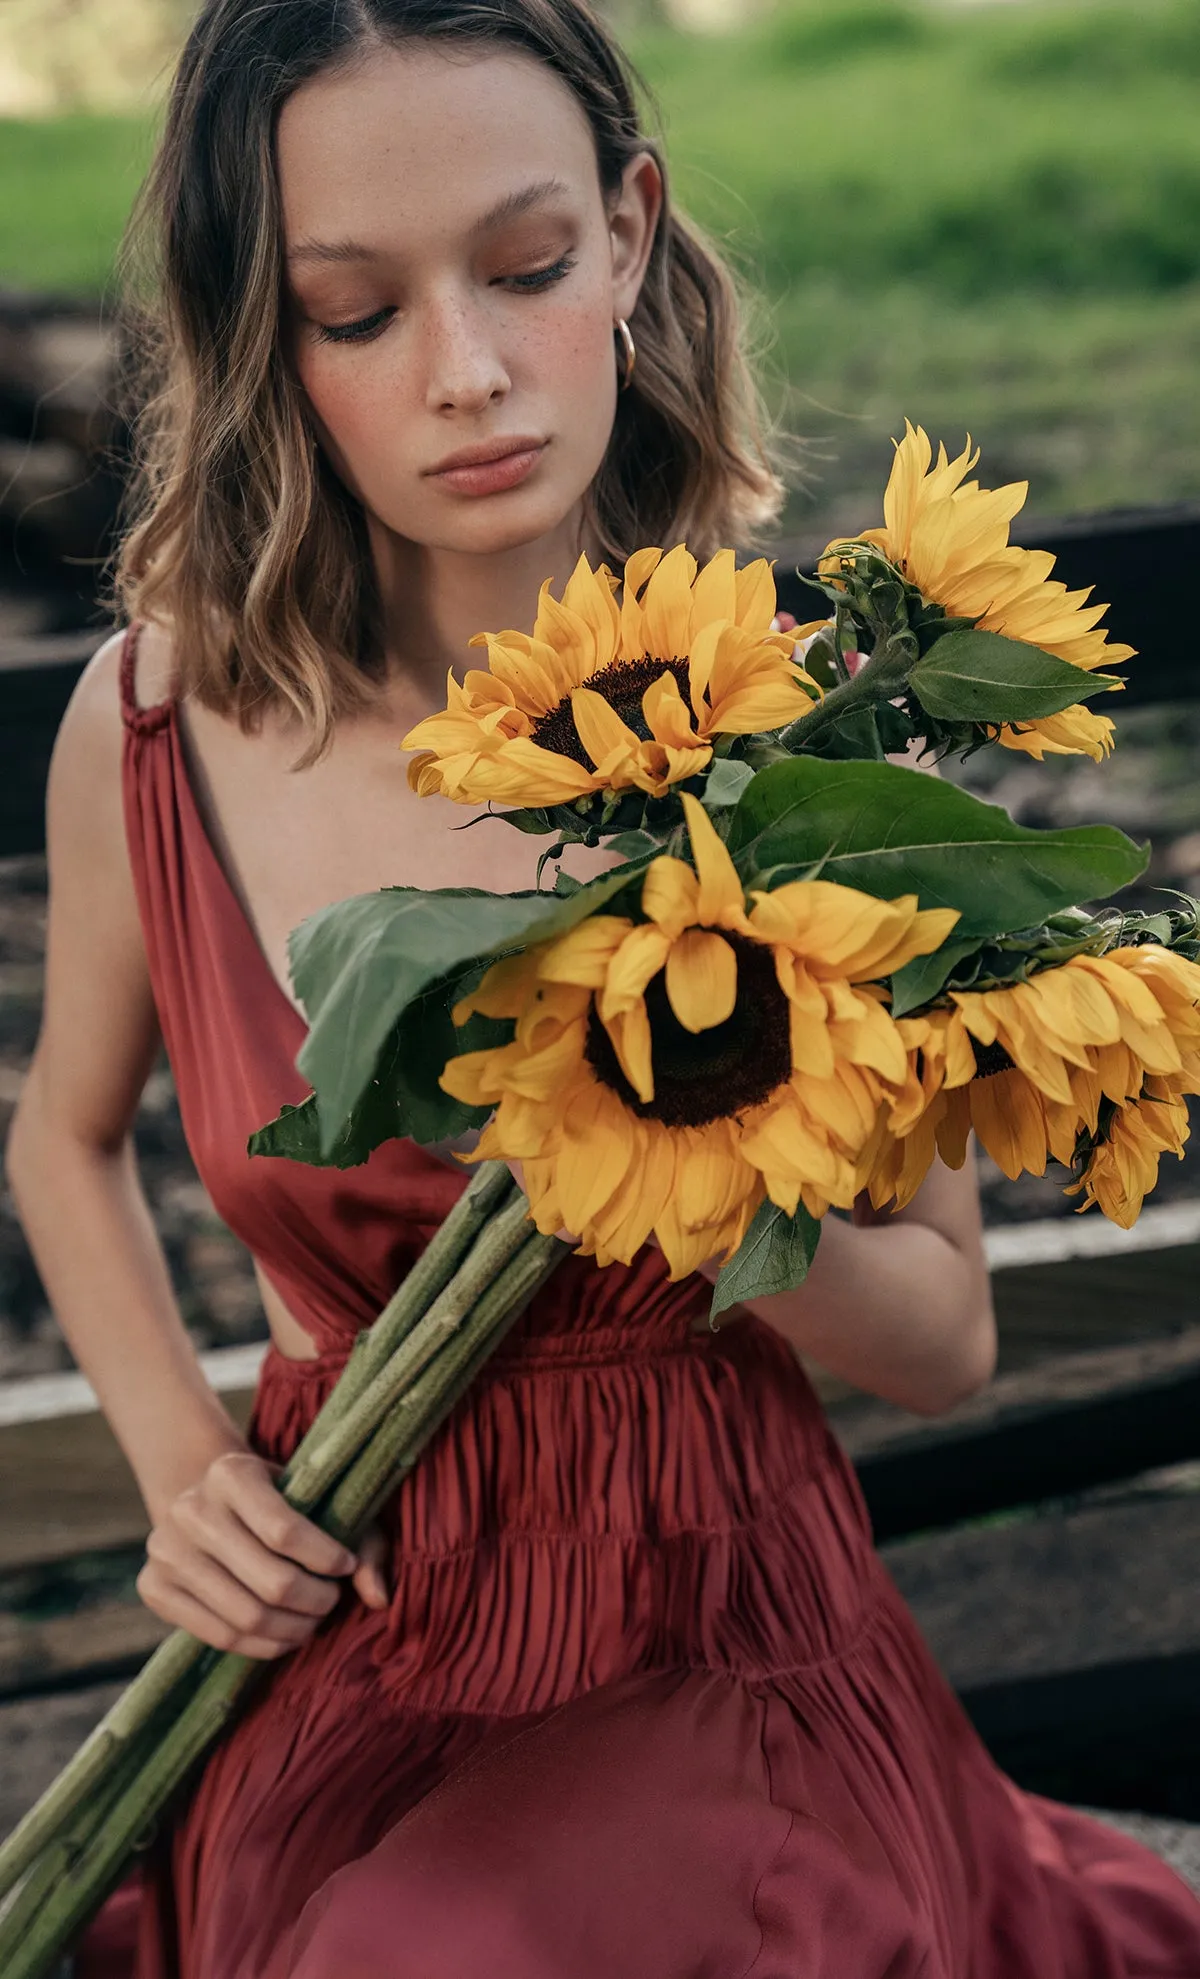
(667, 1074)
(949, 537)
(609, 697)
(1034, 1066)
(1122, 1168)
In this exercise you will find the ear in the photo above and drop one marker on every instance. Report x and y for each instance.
(632, 222)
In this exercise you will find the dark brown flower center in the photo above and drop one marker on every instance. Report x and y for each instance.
(990, 1059)
(713, 1074)
(622, 685)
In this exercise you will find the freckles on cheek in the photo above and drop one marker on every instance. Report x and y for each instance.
(350, 411)
(571, 351)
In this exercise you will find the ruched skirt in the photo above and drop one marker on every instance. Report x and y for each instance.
(644, 1705)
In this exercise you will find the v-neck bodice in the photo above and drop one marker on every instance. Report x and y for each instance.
(333, 1242)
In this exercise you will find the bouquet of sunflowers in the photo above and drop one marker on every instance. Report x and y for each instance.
(805, 973)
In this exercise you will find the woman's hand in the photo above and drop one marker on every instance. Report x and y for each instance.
(235, 1565)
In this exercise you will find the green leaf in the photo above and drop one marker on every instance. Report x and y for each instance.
(896, 729)
(983, 677)
(403, 1098)
(852, 737)
(891, 831)
(524, 820)
(296, 1136)
(725, 783)
(634, 844)
(920, 980)
(358, 965)
(773, 1256)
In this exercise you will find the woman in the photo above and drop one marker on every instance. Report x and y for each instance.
(618, 1686)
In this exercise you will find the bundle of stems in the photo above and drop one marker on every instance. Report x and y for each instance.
(403, 1377)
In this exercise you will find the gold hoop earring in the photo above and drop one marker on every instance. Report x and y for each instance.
(628, 352)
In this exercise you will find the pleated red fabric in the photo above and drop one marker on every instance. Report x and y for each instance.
(645, 1703)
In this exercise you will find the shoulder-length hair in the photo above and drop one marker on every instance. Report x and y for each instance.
(237, 534)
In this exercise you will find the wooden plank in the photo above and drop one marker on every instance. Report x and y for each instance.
(37, 1738)
(37, 677)
(1044, 1426)
(1036, 1441)
(66, 1488)
(1073, 1638)
(1121, 1734)
(1047, 1310)
(108, 1640)
(1075, 1587)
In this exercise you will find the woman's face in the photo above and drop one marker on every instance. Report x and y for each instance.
(454, 278)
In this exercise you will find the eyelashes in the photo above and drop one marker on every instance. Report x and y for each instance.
(353, 333)
(533, 283)
(542, 278)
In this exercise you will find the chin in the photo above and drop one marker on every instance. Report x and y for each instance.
(493, 524)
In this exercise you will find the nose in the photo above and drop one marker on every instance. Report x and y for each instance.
(465, 371)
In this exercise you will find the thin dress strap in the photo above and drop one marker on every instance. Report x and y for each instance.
(142, 721)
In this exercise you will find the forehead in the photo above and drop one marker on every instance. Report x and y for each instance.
(422, 139)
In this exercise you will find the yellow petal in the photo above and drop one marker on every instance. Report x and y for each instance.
(756, 596)
(658, 765)
(670, 894)
(1006, 1112)
(714, 594)
(600, 729)
(667, 606)
(633, 632)
(641, 955)
(629, 1031)
(503, 990)
(721, 901)
(1075, 732)
(583, 955)
(592, 1161)
(589, 595)
(701, 978)
(666, 716)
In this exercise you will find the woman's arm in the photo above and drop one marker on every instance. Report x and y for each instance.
(227, 1558)
(898, 1304)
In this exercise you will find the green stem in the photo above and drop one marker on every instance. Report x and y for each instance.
(417, 1415)
(164, 1676)
(29, 1946)
(72, 1837)
(489, 1188)
(883, 675)
(64, 1891)
(179, 1657)
(311, 1477)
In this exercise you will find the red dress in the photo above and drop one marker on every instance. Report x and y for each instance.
(645, 1703)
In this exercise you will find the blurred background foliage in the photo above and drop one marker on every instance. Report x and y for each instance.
(983, 216)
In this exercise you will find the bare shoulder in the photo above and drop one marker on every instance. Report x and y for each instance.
(87, 749)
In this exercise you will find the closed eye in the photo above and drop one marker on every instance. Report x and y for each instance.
(531, 283)
(540, 278)
(354, 333)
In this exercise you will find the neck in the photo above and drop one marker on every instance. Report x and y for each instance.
(435, 600)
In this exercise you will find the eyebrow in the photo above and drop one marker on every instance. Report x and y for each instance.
(511, 207)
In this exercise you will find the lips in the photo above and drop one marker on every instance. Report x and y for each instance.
(489, 468)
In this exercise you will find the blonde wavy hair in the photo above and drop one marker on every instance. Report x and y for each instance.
(237, 534)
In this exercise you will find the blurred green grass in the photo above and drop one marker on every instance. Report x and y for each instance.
(68, 183)
(984, 218)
